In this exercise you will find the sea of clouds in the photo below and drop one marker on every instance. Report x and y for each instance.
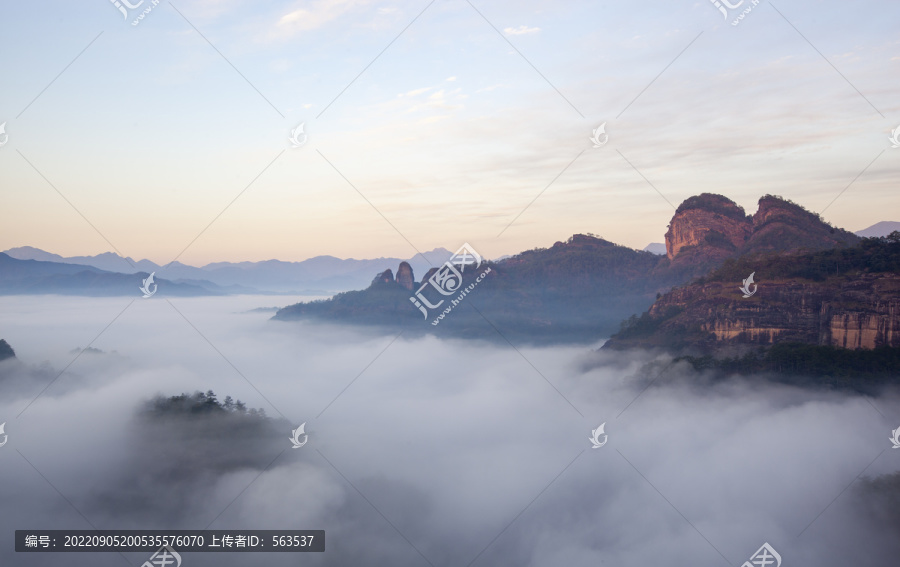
(425, 451)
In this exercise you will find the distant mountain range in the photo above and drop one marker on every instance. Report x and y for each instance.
(879, 229)
(557, 281)
(26, 277)
(321, 275)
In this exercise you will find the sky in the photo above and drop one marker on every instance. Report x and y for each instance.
(431, 124)
(426, 451)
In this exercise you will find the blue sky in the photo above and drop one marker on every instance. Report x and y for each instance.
(160, 132)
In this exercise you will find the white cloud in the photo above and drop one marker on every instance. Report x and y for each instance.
(316, 14)
(416, 92)
(436, 100)
(521, 30)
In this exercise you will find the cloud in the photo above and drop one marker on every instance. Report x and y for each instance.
(416, 92)
(461, 447)
(317, 14)
(439, 99)
(521, 30)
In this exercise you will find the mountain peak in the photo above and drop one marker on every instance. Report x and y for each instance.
(878, 229)
(657, 248)
(6, 351)
(781, 225)
(584, 241)
(706, 229)
(32, 253)
(713, 202)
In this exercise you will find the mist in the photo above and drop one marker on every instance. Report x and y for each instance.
(425, 451)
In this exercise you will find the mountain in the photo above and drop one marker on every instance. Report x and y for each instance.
(709, 228)
(108, 261)
(580, 289)
(32, 253)
(6, 351)
(657, 248)
(320, 275)
(803, 309)
(806, 264)
(577, 290)
(21, 277)
(879, 229)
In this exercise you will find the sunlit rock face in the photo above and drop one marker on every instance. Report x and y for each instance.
(711, 227)
(708, 228)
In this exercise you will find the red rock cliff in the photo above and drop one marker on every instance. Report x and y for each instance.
(707, 227)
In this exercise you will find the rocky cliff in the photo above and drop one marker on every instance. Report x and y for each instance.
(405, 276)
(708, 228)
(847, 298)
(384, 277)
(853, 313)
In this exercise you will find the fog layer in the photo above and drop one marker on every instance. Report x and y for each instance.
(424, 451)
